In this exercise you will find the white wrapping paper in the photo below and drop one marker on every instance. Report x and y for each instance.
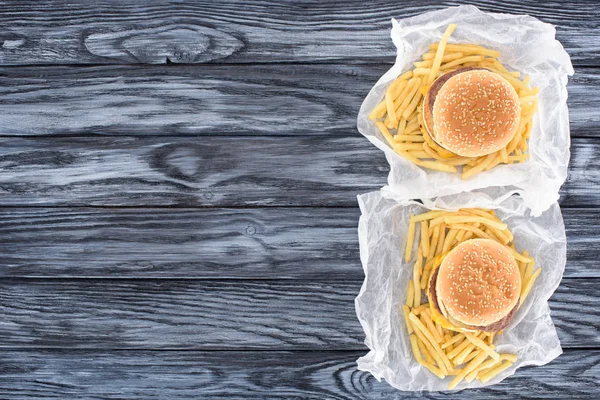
(382, 236)
(526, 45)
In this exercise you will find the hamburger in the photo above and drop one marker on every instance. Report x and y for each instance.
(476, 287)
(471, 112)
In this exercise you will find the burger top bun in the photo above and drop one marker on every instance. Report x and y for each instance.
(478, 282)
(474, 113)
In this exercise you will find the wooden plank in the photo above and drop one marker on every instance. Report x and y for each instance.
(217, 171)
(184, 100)
(264, 243)
(78, 32)
(279, 100)
(257, 375)
(211, 171)
(187, 314)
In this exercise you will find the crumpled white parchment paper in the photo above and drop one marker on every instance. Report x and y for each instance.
(527, 45)
(382, 237)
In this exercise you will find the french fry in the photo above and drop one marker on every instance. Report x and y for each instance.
(409, 138)
(439, 328)
(502, 235)
(438, 166)
(434, 239)
(495, 371)
(427, 215)
(413, 125)
(497, 160)
(458, 349)
(425, 277)
(467, 369)
(480, 212)
(385, 132)
(415, 348)
(469, 49)
(455, 340)
(528, 268)
(529, 284)
(442, 238)
(401, 126)
(440, 219)
(518, 256)
(378, 111)
(417, 270)
(491, 234)
(426, 320)
(406, 76)
(389, 102)
(437, 61)
(482, 367)
(425, 238)
(406, 89)
(460, 236)
(471, 228)
(397, 94)
(408, 146)
(418, 325)
(436, 371)
(468, 236)
(418, 154)
(410, 294)
(428, 348)
(512, 145)
(428, 57)
(471, 355)
(460, 61)
(421, 71)
(416, 84)
(462, 356)
(479, 167)
(527, 99)
(421, 308)
(428, 358)
(481, 344)
(412, 105)
(410, 240)
(449, 240)
(460, 219)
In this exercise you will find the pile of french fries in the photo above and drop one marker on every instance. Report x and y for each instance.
(399, 118)
(440, 349)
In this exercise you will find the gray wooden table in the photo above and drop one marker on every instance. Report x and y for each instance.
(178, 199)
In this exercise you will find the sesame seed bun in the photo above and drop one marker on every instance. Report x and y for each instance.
(471, 111)
(478, 284)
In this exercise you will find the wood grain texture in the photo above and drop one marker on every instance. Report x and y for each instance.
(184, 314)
(265, 243)
(210, 171)
(277, 100)
(77, 32)
(216, 171)
(258, 375)
(184, 100)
